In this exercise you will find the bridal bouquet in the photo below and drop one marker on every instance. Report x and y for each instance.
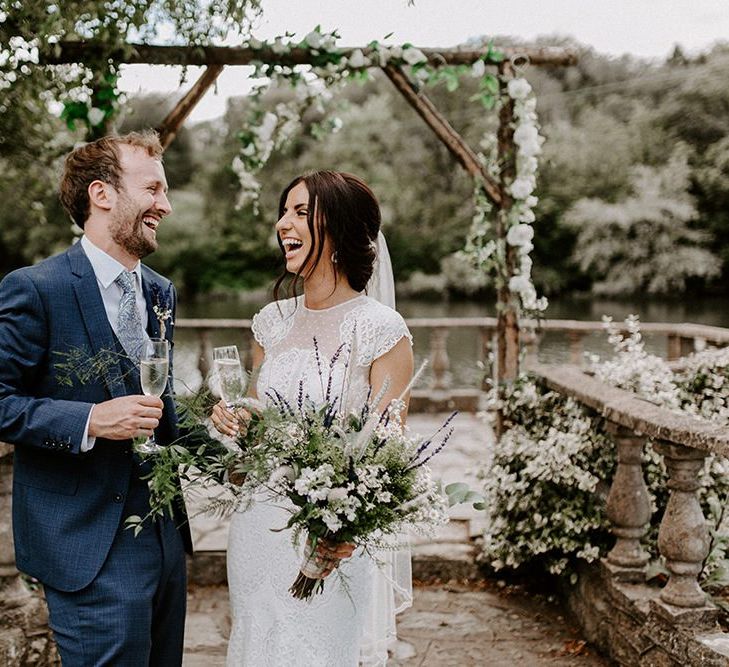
(349, 477)
(355, 478)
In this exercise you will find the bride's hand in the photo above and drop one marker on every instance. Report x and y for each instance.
(227, 422)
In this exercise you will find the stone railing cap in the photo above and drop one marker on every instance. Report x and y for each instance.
(638, 415)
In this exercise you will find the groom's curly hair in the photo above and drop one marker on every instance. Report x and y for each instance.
(344, 208)
(99, 161)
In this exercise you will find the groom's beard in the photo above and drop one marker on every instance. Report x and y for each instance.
(127, 229)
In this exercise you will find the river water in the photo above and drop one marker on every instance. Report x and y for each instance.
(463, 346)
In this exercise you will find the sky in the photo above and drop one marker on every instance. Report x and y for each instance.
(644, 28)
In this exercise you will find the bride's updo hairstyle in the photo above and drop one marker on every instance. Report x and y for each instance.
(343, 207)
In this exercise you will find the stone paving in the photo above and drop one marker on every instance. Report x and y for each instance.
(474, 622)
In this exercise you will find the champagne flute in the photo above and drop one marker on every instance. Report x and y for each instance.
(227, 366)
(153, 369)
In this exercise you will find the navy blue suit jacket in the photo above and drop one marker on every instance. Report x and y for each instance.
(67, 505)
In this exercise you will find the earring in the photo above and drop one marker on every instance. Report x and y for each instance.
(334, 257)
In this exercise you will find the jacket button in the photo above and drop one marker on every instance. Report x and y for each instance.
(118, 497)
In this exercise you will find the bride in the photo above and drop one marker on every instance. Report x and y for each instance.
(328, 230)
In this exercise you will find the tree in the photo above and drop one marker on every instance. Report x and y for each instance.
(645, 242)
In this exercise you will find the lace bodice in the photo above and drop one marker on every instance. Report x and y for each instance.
(328, 351)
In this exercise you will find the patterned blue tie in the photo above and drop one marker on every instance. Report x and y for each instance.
(129, 323)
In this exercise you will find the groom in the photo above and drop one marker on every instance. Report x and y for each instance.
(113, 599)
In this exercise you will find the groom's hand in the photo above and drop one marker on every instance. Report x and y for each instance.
(125, 417)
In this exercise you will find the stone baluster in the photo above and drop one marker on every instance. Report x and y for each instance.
(679, 346)
(247, 349)
(628, 508)
(683, 538)
(530, 339)
(206, 354)
(575, 345)
(439, 361)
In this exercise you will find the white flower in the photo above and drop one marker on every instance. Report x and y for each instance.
(95, 116)
(331, 520)
(254, 43)
(338, 493)
(520, 284)
(413, 56)
(520, 235)
(266, 129)
(357, 59)
(478, 69)
(313, 39)
(279, 46)
(527, 215)
(521, 188)
(519, 89)
(383, 55)
(282, 473)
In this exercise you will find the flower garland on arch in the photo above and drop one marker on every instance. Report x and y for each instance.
(487, 253)
(268, 130)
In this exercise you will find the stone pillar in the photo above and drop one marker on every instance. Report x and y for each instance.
(683, 538)
(575, 345)
(628, 508)
(439, 361)
(530, 338)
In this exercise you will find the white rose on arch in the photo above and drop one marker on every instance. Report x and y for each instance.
(518, 89)
(95, 116)
(357, 59)
(520, 284)
(313, 39)
(522, 187)
(413, 56)
(520, 235)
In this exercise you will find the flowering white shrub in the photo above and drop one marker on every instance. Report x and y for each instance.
(546, 486)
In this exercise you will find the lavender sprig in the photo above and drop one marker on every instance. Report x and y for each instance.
(433, 453)
(332, 361)
(427, 443)
(318, 364)
(300, 397)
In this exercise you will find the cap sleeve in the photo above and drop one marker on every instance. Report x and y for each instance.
(271, 324)
(391, 330)
(378, 329)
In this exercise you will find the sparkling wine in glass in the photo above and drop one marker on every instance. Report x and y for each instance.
(231, 381)
(153, 369)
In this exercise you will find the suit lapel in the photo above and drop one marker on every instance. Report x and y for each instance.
(152, 321)
(96, 322)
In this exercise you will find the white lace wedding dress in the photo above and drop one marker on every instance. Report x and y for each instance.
(341, 627)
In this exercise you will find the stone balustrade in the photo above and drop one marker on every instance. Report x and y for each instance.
(640, 617)
(680, 338)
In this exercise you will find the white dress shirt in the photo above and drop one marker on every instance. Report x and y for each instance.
(107, 269)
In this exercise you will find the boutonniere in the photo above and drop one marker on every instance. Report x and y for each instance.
(162, 306)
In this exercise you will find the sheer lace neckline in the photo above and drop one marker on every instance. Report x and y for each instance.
(329, 308)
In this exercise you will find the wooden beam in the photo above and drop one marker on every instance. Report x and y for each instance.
(150, 54)
(507, 326)
(171, 124)
(453, 141)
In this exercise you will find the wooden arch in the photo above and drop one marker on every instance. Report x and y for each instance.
(215, 58)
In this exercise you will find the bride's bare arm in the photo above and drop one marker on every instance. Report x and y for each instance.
(396, 367)
(227, 422)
